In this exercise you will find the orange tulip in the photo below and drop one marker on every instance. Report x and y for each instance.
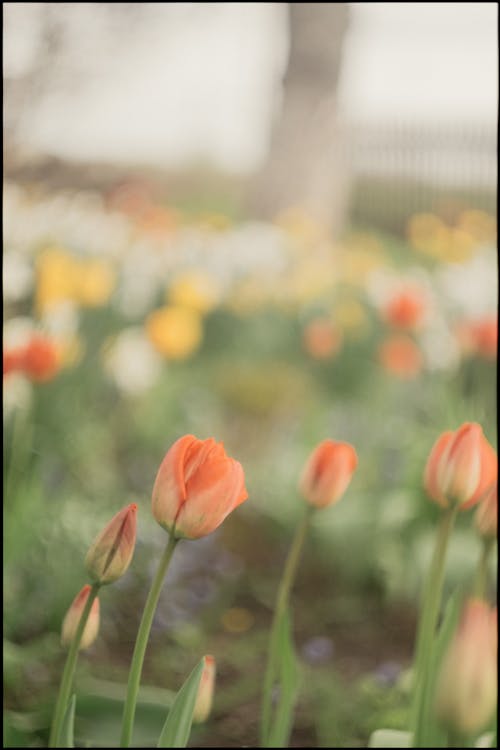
(111, 553)
(479, 337)
(405, 309)
(196, 487)
(461, 468)
(327, 473)
(204, 699)
(466, 690)
(486, 518)
(400, 356)
(321, 338)
(41, 359)
(72, 619)
(13, 360)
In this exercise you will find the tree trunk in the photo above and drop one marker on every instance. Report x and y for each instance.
(306, 167)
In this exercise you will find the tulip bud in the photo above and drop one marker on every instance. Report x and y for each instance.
(461, 468)
(327, 473)
(72, 619)
(111, 553)
(466, 688)
(486, 518)
(204, 699)
(196, 487)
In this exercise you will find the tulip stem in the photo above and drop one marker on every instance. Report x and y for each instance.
(428, 621)
(141, 643)
(285, 587)
(69, 670)
(481, 580)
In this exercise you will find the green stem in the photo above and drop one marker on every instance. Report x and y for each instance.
(429, 616)
(285, 586)
(141, 643)
(69, 670)
(481, 580)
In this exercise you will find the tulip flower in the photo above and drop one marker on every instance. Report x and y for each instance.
(196, 487)
(405, 309)
(73, 616)
(111, 553)
(466, 689)
(461, 468)
(327, 473)
(486, 518)
(204, 699)
(400, 356)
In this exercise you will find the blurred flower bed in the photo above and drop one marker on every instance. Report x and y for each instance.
(128, 323)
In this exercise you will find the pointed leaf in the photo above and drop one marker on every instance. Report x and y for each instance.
(177, 727)
(288, 684)
(429, 734)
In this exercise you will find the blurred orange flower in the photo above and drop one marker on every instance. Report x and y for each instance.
(321, 338)
(466, 690)
(400, 356)
(479, 337)
(327, 473)
(486, 518)
(39, 359)
(405, 309)
(73, 616)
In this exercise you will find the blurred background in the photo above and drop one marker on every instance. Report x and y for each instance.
(269, 223)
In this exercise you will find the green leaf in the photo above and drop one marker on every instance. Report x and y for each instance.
(288, 671)
(428, 733)
(390, 738)
(177, 727)
(67, 729)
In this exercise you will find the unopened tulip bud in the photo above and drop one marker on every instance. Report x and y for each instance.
(196, 487)
(111, 553)
(327, 473)
(204, 699)
(466, 689)
(461, 468)
(73, 616)
(486, 518)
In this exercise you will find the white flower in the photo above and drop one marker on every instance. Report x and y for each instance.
(131, 361)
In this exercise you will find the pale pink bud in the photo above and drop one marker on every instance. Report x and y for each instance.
(327, 473)
(204, 699)
(486, 518)
(461, 468)
(73, 616)
(111, 553)
(466, 689)
(196, 487)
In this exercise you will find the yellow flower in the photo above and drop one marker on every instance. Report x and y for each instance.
(214, 222)
(297, 223)
(430, 235)
(194, 290)
(174, 331)
(57, 278)
(480, 225)
(95, 283)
